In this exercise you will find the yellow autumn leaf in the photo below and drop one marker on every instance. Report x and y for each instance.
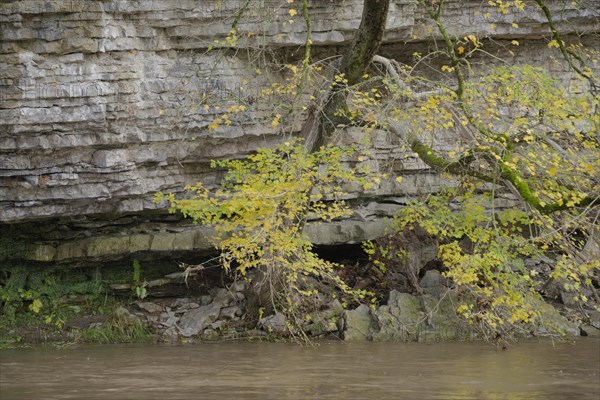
(35, 306)
(276, 120)
(472, 39)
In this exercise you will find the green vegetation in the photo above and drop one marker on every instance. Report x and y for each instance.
(41, 301)
(520, 134)
(485, 250)
(118, 329)
(139, 288)
(9, 248)
(260, 216)
(45, 293)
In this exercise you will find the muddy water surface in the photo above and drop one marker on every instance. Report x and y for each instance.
(333, 370)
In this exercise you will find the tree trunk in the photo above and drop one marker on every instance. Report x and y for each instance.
(322, 123)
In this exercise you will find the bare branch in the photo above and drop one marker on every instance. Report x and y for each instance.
(403, 86)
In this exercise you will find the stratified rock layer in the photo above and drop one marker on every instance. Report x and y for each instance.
(104, 103)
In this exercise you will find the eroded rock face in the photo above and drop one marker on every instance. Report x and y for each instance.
(406, 317)
(432, 317)
(104, 103)
(194, 321)
(358, 324)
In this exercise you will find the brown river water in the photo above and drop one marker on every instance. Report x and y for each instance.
(331, 370)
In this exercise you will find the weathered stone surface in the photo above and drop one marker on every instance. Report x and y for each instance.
(592, 328)
(185, 238)
(432, 317)
(358, 324)
(170, 335)
(399, 320)
(184, 304)
(101, 106)
(196, 320)
(223, 298)
(423, 318)
(276, 324)
(441, 323)
(230, 313)
(238, 286)
(553, 320)
(434, 283)
(125, 316)
(168, 319)
(325, 321)
(432, 278)
(149, 306)
(350, 231)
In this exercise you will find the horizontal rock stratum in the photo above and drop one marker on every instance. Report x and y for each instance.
(101, 105)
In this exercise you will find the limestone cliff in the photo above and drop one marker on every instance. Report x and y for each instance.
(101, 107)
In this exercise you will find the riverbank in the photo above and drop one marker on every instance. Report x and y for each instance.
(178, 308)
